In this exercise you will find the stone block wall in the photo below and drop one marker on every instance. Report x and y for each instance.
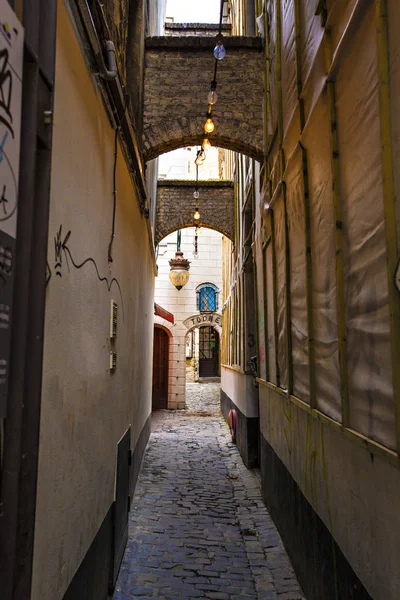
(196, 29)
(178, 71)
(176, 205)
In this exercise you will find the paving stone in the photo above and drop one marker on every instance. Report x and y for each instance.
(198, 527)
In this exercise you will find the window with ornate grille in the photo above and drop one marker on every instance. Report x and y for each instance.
(207, 297)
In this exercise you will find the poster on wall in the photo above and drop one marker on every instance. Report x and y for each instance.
(11, 61)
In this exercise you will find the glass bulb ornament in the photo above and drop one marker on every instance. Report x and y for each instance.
(206, 145)
(196, 215)
(219, 51)
(212, 97)
(179, 273)
(209, 125)
(200, 158)
(196, 195)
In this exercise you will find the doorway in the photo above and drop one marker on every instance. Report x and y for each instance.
(160, 369)
(208, 352)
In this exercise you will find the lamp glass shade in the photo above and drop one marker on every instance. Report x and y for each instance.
(179, 273)
(179, 278)
(209, 126)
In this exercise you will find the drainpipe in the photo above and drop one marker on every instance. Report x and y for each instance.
(109, 71)
(114, 89)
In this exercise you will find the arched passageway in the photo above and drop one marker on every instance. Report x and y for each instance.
(175, 206)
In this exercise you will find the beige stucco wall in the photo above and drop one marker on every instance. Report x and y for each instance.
(85, 409)
(355, 494)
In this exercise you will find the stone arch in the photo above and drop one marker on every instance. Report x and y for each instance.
(178, 71)
(214, 325)
(175, 207)
(213, 320)
(164, 324)
(187, 226)
(218, 141)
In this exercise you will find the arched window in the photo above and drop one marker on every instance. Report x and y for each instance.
(207, 297)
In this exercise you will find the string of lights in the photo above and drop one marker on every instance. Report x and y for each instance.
(179, 272)
(209, 126)
(219, 53)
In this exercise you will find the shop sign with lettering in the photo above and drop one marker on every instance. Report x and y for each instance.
(203, 319)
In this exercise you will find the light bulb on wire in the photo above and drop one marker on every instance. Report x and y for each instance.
(219, 51)
(200, 158)
(212, 97)
(206, 145)
(209, 125)
(196, 215)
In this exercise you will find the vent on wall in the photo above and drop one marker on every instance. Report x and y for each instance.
(113, 319)
(113, 360)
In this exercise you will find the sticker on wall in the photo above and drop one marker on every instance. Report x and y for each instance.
(11, 60)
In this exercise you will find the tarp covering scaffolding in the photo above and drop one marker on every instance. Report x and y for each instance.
(329, 334)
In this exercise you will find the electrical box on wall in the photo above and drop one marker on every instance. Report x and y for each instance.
(113, 360)
(113, 319)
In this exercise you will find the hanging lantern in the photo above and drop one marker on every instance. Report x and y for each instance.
(179, 273)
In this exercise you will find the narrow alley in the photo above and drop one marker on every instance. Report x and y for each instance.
(199, 299)
(199, 527)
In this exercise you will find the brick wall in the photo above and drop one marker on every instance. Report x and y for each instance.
(197, 29)
(176, 204)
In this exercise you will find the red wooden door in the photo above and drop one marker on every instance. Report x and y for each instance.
(160, 369)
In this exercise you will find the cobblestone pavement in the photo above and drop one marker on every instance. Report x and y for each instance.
(203, 397)
(198, 526)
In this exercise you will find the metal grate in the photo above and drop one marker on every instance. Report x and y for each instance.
(113, 319)
(113, 360)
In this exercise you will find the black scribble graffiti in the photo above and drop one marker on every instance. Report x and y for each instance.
(62, 250)
(3, 200)
(59, 246)
(6, 84)
(6, 262)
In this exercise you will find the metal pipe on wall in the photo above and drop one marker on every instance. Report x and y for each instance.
(109, 72)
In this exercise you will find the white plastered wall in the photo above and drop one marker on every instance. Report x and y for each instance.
(85, 409)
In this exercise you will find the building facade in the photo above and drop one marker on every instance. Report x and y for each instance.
(324, 244)
(310, 286)
(194, 343)
(78, 412)
(194, 338)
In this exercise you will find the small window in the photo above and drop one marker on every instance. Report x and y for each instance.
(207, 297)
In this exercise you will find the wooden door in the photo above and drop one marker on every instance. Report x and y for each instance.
(160, 369)
(208, 352)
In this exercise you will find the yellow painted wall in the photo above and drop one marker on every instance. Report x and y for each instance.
(85, 409)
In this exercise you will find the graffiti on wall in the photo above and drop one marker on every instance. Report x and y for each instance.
(63, 256)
